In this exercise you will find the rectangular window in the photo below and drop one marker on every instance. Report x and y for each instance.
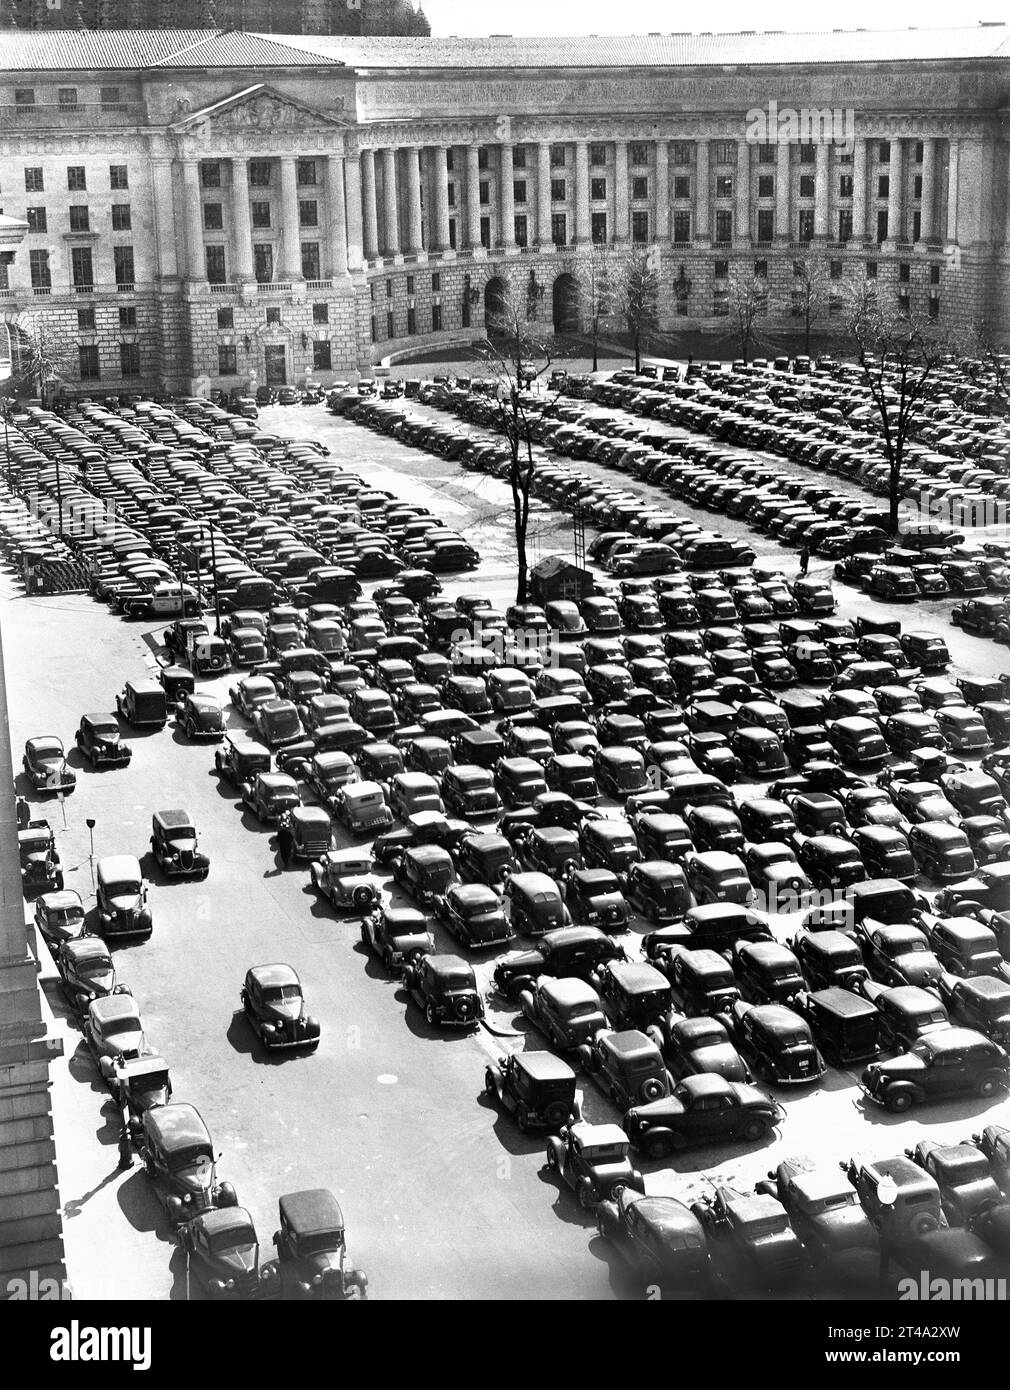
(681, 152)
(934, 274)
(66, 98)
(904, 304)
(112, 99)
(598, 228)
(322, 356)
(485, 233)
(308, 213)
(121, 217)
(522, 235)
(320, 313)
(36, 219)
(720, 304)
(436, 281)
(761, 270)
(882, 225)
(904, 272)
(305, 171)
(806, 185)
(261, 214)
(808, 155)
(519, 157)
(263, 263)
(557, 156)
(806, 224)
(24, 96)
(410, 284)
(227, 359)
(87, 358)
(436, 318)
(918, 152)
(916, 226)
(934, 308)
(597, 190)
(723, 227)
(883, 186)
(451, 195)
(259, 173)
(210, 174)
(86, 320)
(448, 159)
(33, 181)
(213, 217)
(225, 318)
(724, 151)
(724, 186)
(884, 151)
(127, 316)
(389, 289)
(845, 225)
(273, 318)
(682, 186)
(871, 270)
(79, 217)
(836, 270)
(638, 153)
(484, 192)
(310, 260)
(38, 264)
(917, 186)
(519, 191)
(765, 224)
(482, 157)
(640, 227)
(411, 320)
(559, 229)
(639, 188)
(721, 270)
(452, 233)
(766, 186)
(845, 186)
(81, 269)
(118, 176)
(216, 269)
(766, 154)
(682, 228)
(373, 331)
(389, 324)
(558, 190)
(597, 155)
(129, 359)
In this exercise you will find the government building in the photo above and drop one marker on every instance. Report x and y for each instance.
(219, 209)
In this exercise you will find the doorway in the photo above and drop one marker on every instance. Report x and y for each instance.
(276, 365)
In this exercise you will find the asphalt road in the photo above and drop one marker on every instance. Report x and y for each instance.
(443, 1198)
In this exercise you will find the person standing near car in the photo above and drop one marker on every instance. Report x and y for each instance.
(285, 842)
(804, 559)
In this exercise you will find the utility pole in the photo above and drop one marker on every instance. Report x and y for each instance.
(213, 566)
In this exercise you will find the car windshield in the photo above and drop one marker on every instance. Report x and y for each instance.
(179, 832)
(126, 888)
(604, 1153)
(34, 844)
(320, 1242)
(456, 980)
(147, 1083)
(277, 994)
(103, 730)
(123, 1028)
(282, 722)
(199, 1155)
(94, 965)
(65, 916)
(232, 1238)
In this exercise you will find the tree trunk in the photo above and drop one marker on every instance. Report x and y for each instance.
(894, 493)
(522, 574)
(638, 355)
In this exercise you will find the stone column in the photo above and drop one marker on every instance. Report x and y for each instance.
(390, 210)
(472, 195)
(544, 194)
(859, 192)
(662, 197)
(413, 181)
(621, 232)
(506, 197)
(291, 247)
(1006, 198)
(783, 177)
(702, 193)
(822, 191)
(741, 215)
(895, 208)
(953, 174)
(352, 192)
(927, 224)
(582, 237)
(242, 256)
(164, 219)
(196, 266)
(369, 212)
(440, 198)
(338, 214)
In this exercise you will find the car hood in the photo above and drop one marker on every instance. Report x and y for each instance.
(847, 1228)
(132, 903)
(919, 968)
(722, 1058)
(243, 1259)
(908, 1064)
(98, 983)
(487, 926)
(287, 1010)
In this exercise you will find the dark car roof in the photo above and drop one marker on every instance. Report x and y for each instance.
(173, 820)
(629, 1043)
(177, 1125)
(429, 854)
(569, 991)
(706, 1084)
(448, 965)
(543, 1066)
(636, 977)
(311, 1212)
(843, 1002)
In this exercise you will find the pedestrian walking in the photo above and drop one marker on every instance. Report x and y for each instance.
(804, 559)
(285, 843)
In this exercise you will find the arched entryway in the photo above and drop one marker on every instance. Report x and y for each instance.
(495, 302)
(566, 304)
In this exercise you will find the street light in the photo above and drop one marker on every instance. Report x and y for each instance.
(213, 567)
(887, 1195)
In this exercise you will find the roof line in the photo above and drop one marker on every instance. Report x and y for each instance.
(205, 34)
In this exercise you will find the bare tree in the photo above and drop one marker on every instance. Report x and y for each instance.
(811, 292)
(39, 355)
(595, 276)
(898, 352)
(986, 364)
(748, 301)
(636, 295)
(516, 359)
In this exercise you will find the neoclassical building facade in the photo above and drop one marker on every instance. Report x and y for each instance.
(219, 209)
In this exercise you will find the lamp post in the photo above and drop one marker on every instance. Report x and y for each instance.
(213, 567)
(887, 1195)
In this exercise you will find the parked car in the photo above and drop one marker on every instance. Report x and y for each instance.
(537, 1088)
(593, 1161)
(445, 988)
(954, 1061)
(312, 1259)
(701, 1110)
(174, 845)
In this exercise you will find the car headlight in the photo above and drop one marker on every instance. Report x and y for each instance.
(317, 1279)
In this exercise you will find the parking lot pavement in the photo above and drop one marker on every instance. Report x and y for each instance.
(443, 1198)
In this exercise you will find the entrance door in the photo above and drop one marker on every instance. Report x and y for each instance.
(276, 364)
